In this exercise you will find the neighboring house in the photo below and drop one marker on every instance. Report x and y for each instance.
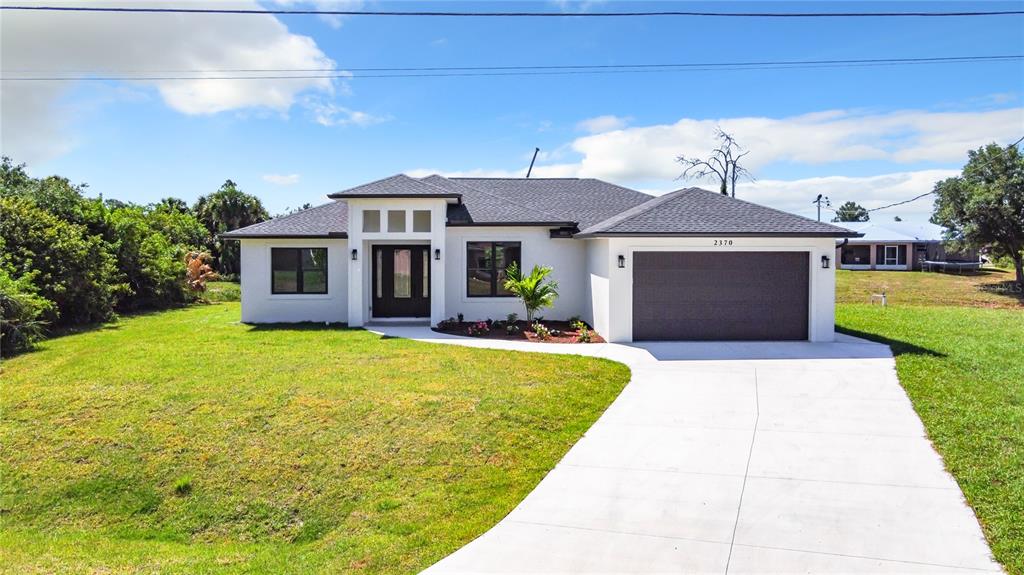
(895, 247)
(691, 264)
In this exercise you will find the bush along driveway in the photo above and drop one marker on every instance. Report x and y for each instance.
(185, 442)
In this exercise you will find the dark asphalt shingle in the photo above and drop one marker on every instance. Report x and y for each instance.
(598, 208)
(695, 211)
(399, 185)
(321, 221)
(482, 207)
(582, 200)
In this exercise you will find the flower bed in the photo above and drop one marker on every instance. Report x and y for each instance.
(559, 331)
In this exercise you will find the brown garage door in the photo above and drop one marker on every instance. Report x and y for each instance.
(720, 295)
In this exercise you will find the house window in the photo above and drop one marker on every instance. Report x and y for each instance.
(371, 221)
(485, 267)
(298, 270)
(421, 220)
(396, 221)
(856, 255)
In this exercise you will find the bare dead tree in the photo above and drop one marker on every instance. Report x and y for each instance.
(723, 165)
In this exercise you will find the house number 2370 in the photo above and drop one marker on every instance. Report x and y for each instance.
(723, 242)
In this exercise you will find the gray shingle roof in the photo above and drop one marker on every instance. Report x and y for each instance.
(481, 207)
(328, 220)
(399, 185)
(598, 208)
(694, 211)
(583, 200)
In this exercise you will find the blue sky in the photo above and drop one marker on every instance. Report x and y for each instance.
(872, 135)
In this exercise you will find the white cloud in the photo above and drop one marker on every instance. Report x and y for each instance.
(602, 124)
(869, 191)
(104, 44)
(333, 20)
(282, 179)
(330, 114)
(649, 152)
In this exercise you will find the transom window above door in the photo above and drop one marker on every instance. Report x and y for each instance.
(486, 263)
(396, 221)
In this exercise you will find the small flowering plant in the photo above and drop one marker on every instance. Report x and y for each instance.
(479, 328)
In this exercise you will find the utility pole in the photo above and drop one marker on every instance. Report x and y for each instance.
(822, 200)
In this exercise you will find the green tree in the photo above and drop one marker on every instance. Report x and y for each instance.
(69, 266)
(171, 204)
(149, 263)
(224, 210)
(13, 177)
(532, 290)
(984, 206)
(851, 212)
(22, 310)
(180, 227)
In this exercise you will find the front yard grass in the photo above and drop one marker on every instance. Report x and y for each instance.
(963, 368)
(990, 287)
(185, 442)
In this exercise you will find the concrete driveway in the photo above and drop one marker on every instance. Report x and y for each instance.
(740, 458)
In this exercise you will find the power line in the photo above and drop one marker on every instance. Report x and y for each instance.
(461, 14)
(915, 198)
(473, 71)
(756, 63)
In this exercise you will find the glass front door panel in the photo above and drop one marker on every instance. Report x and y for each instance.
(403, 274)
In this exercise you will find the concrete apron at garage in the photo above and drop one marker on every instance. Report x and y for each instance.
(739, 457)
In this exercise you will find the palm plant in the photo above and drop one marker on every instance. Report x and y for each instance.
(532, 290)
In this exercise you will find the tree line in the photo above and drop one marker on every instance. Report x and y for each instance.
(68, 259)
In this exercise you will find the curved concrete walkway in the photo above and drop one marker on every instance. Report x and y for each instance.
(738, 458)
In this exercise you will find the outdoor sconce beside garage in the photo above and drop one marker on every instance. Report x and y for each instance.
(622, 261)
(437, 254)
(355, 254)
(824, 262)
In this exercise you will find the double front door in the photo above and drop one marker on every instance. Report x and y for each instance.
(401, 281)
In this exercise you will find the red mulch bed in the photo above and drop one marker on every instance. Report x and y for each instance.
(565, 333)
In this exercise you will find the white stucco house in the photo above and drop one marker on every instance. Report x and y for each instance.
(688, 265)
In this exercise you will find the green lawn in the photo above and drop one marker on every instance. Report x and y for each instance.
(963, 368)
(222, 291)
(991, 287)
(185, 442)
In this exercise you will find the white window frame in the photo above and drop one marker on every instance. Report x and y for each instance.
(895, 256)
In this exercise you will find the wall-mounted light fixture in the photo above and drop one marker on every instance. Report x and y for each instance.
(622, 261)
(355, 255)
(824, 262)
(437, 254)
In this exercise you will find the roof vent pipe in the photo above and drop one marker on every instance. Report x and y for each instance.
(535, 150)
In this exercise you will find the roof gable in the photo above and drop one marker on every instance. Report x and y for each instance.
(397, 186)
(695, 211)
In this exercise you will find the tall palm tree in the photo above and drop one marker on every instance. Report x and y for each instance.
(224, 210)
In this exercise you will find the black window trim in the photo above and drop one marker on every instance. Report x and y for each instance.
(298, 272)
(494, 271)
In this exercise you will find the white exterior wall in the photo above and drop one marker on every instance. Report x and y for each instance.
(598, 288)
(567, 257)
(821, 299)
(261, 306)
(359, 270)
